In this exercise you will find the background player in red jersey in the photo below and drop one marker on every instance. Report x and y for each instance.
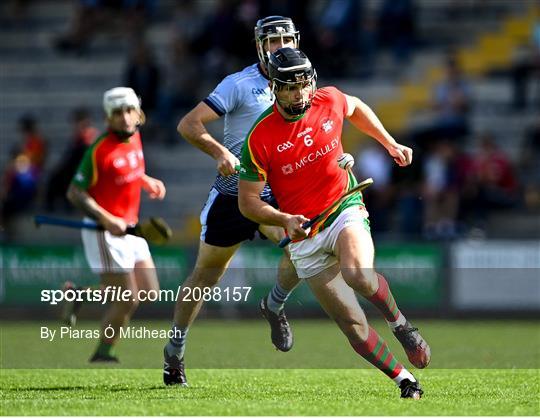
(107, 188)
(294, 146)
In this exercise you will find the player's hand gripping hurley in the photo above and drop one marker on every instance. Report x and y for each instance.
(358, 188)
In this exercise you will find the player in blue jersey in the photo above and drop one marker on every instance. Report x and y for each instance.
(241, 97)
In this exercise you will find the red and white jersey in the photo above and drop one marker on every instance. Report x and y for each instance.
(111, 172)
(298, 158)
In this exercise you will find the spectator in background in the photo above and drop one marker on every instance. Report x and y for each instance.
(368, 45)
(93, 16)
(18, 192)
(143, 76)
(396, 23)
(33, 144)
(186, 23)
(180, 90)
(452, 101)
(496, 176)
(20, 180)
(88, 17)
(338, 36)
(84, 134)
(246, 12)
(493, 184)
(212, 47)
(440, 191)
(180, 81)
(526, 65)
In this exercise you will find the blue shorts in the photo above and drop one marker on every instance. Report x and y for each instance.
(223, 225)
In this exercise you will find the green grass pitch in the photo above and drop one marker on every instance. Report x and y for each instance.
(478, 368)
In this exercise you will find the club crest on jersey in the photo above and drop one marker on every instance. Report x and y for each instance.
(119, 162)
(285, 146)
(327, 125)
(287, 169)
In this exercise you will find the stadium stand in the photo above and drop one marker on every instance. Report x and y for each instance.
(38, 79)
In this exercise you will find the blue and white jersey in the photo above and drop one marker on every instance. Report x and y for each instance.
(241, 97)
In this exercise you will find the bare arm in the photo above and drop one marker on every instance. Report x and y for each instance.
(192, 128)
(86, 203)
(363, 118)
(154, 187)
(252, 207)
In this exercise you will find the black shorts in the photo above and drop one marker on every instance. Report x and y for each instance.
(222, 223)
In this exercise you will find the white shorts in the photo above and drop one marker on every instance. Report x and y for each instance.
(107, 253)
(314, 255)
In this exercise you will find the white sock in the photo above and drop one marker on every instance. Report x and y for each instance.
(177, 343)
(276, 298)
(404, 374)
(400, 321)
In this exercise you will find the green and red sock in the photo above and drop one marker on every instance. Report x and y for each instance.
(384, 301)
(375, 350)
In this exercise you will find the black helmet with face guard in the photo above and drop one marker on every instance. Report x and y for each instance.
(290, 68)
(273, 27)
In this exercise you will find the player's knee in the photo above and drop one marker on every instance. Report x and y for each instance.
(360, 279)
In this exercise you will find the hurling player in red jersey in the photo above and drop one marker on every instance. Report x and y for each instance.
(294, 146)
(107, 188)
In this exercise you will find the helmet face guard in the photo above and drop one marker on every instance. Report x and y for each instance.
(306, 88)
(293, 80)
(274, 27)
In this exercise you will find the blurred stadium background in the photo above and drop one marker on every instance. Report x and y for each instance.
(458, 233)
